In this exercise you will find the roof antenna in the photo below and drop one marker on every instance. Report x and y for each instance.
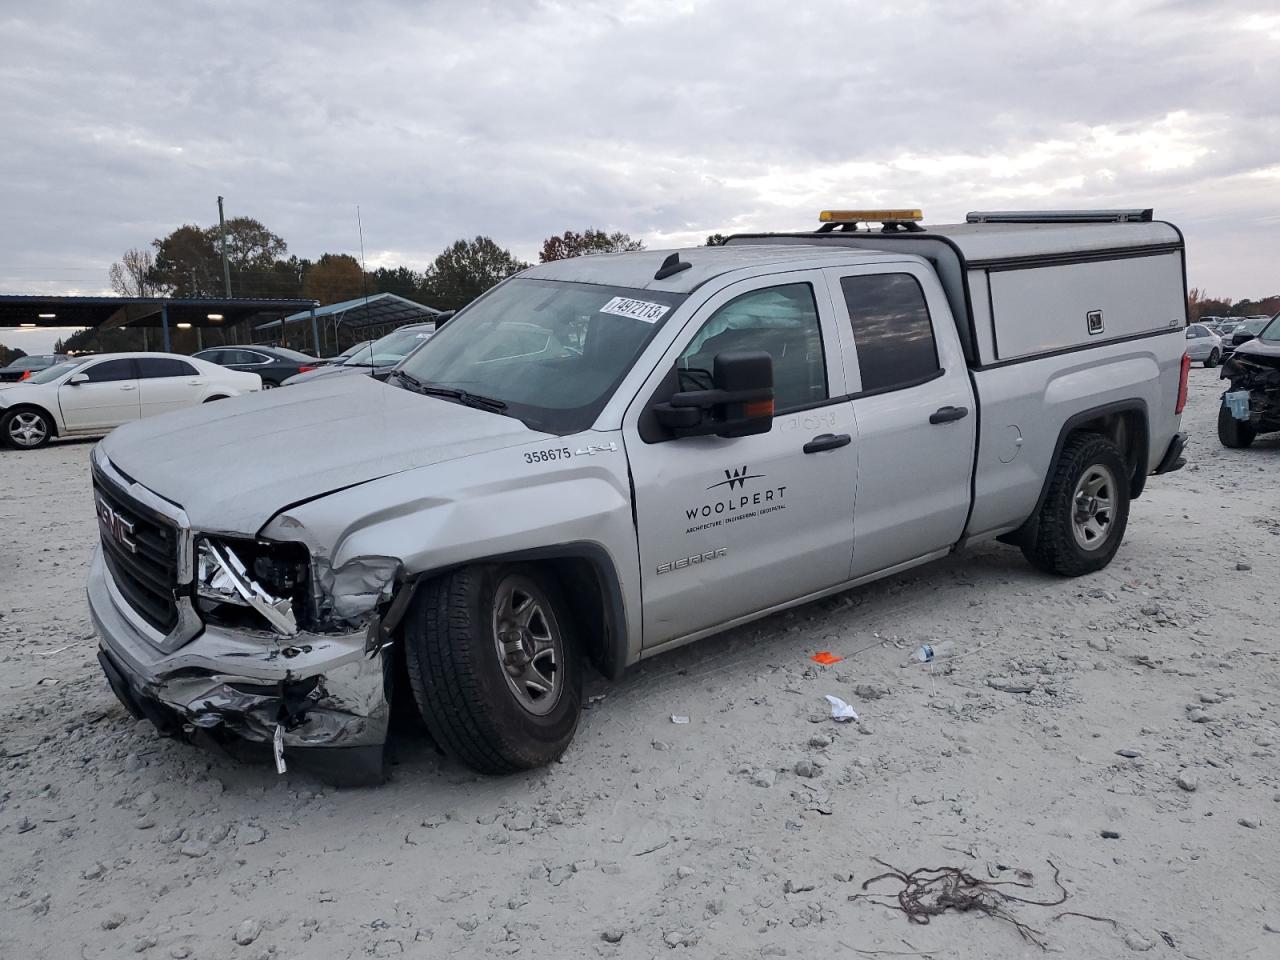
(671, 266)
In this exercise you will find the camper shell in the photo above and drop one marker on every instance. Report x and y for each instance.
(1024, 285)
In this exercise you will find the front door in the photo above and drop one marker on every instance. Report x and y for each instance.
(107, 399)
(731, 526)
(915, 412)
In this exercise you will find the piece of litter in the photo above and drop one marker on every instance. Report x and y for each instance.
(678, 719)
(277, 747)
(826, 658)
(50, 653)
(841, 712)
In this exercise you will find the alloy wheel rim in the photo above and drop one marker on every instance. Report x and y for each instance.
(528, 644)
(27, 429)
(1093, 507)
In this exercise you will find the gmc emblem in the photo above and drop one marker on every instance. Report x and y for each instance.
(115, 526)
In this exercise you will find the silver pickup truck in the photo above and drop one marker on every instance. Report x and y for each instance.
(607, 457)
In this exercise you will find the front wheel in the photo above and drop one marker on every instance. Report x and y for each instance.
(1214, 357)
(1234, 433)
(1085, 511)
(27, 429)
(493, 663)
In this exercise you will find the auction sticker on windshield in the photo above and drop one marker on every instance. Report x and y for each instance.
(635, 309)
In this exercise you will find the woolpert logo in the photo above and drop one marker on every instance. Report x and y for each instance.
(736, 479)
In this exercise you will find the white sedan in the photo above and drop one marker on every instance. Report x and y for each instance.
(87, 396)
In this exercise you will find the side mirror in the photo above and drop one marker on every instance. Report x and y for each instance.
(740, 404)
(78, 378)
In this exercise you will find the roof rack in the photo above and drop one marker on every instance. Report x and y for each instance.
(1060, 216)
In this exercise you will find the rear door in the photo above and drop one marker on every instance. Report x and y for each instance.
(913, 403)
(107, 399)
(730, 526)
(168, 383)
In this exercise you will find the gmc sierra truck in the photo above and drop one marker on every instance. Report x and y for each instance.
(607, 457)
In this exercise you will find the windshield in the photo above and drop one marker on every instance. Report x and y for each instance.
(388, 350)
(49, 374)
(552, 351)
(1272, 331)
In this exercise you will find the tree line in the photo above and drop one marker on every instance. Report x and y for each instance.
(1200, 304)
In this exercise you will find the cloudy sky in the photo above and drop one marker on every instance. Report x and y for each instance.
(668, 119)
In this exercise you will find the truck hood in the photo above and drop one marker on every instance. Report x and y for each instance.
(1262, 349)
(234, 464)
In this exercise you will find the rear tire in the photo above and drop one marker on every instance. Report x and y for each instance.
(1085, 511)
(1213, 358)
(26, 428)
(479, 644)
(1235, 434)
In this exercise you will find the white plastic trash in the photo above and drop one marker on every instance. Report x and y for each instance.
(841, 712)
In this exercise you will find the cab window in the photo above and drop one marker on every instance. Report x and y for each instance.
(891, 330)
(783, 322)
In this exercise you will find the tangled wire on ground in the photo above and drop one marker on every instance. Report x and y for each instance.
(929, 891)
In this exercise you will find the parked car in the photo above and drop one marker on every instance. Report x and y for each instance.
(25, 367)
(93, 395)
(273, 364)
(722, 432)
(1203, 344)
(377, 359)
(1243, 332)
(1252, 405)
(354, 348)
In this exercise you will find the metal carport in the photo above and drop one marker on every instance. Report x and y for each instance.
(99, 313)
(361, 314)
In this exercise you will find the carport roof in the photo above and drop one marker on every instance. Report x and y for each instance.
(36, 311)
(375, 310)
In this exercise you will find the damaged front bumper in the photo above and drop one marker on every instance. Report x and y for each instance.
(323, 694)
(1254, 397)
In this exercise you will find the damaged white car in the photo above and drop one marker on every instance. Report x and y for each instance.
(606, 457)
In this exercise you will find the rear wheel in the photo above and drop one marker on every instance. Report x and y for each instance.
(1085, 511)
(1234, 433)
(493, 663)
(27, 429)
(1214, 357)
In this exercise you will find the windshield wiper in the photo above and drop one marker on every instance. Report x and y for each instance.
(453, 393)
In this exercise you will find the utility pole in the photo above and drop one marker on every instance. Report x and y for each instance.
(226, 268)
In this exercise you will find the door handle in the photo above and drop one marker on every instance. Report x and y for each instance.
(947, 414)
(196, 383)
(129, 386)
(827, 441)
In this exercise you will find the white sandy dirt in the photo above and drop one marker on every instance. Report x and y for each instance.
(703, 839)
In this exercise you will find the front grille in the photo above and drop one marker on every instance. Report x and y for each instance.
(140, 548)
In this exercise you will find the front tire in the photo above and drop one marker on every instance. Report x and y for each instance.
(27, 429)
(1214, 357)
(1234, 434)
(493, 664)
(1085, 511)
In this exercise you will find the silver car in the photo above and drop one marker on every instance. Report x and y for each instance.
(1203, 344)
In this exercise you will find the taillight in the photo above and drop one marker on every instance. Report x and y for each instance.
(305, 369)
(1182, 383)
(26, 375)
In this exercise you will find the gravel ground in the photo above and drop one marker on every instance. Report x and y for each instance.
(1141, 701)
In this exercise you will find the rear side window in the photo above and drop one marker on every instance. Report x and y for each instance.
(154, 367)
(212, 356)
(891, 330)
(109, 370)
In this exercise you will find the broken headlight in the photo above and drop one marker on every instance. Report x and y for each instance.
(244, 583)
